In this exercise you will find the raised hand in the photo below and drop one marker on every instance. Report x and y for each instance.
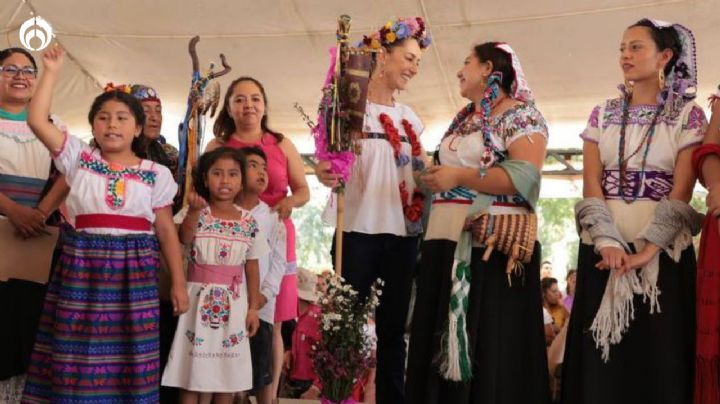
(196, 202)
(53, 58)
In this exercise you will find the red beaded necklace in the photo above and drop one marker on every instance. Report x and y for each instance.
(412, 210)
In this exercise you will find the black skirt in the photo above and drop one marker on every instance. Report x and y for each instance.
(654, 362)
(505, 328)
(21, 304)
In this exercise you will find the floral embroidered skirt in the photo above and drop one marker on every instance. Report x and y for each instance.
(97, 340)
(211, 350)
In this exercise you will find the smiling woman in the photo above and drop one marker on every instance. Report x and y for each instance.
(383, 203)
(24, 171)
(478, 317)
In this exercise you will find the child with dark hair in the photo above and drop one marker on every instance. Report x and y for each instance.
(98, 335)
(210, 356)
(272, 269)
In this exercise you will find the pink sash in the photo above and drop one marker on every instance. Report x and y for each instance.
(230, 275)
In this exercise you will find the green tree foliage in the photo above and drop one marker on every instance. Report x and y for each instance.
(314, 238)
(556, 231)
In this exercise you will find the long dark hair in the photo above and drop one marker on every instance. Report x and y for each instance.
(207, 160)
(225, 126)
(501, 61)
(133, 105)
(7, 52)
(664, 38)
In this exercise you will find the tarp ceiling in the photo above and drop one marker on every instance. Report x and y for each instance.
(569, 49)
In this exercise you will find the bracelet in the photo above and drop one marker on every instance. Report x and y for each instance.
(482, 172)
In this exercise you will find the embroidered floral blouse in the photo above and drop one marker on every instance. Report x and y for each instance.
(466, 147)
(225, 242)
(101, 187)
(678, 127)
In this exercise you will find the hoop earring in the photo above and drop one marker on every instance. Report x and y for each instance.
(661, 78)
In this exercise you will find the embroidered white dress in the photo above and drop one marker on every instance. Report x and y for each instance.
(211, 350)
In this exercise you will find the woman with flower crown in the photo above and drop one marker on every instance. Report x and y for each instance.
(383, 203)
(632, 328)
(477, 330)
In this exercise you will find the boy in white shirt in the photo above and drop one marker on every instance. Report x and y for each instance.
(272, 269)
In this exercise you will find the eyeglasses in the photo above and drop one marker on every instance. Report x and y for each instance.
(12, 70)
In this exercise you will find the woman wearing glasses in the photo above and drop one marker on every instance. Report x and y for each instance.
(24, 171)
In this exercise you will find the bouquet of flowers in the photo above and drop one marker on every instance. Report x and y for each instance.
(344, 351)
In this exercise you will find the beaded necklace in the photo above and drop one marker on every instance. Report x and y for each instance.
(646, 139)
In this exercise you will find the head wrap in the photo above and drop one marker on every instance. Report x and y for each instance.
(144, 93)
(681, 82)
(520, 88)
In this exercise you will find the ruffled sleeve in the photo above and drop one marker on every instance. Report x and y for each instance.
(523, 121)
(694, 125)
(68, 157)
(592, 130)
(164, 189)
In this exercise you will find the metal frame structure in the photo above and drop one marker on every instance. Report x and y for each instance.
(571, 160)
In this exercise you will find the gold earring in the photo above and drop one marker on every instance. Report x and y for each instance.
(661, 79)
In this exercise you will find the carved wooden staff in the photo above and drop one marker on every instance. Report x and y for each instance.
(204, 97)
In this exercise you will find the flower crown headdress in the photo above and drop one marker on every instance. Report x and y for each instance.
(396, 31)
(124, 88)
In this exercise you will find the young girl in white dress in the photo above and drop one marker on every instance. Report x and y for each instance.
(210, 356)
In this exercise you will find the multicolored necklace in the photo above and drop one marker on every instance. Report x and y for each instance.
(489, 100)
(623, 161)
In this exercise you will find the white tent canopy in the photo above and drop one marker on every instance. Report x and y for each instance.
(568, 49)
